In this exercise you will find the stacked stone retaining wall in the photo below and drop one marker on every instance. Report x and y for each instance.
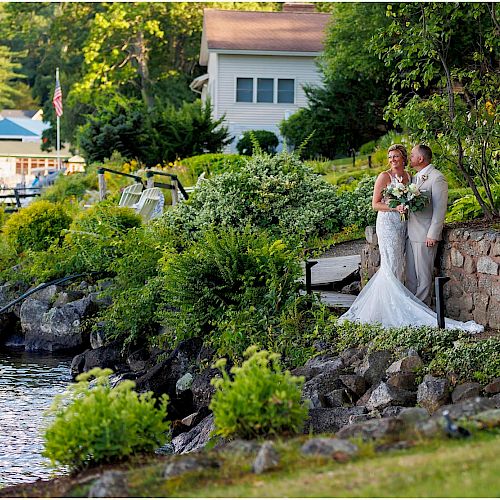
(471, 259)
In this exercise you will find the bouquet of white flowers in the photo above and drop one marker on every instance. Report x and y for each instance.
(408, 195)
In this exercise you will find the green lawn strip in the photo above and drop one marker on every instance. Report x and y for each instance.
(467, 468)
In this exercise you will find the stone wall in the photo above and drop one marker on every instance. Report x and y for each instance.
(471, 259)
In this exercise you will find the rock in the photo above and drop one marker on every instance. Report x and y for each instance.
(403, 380)
(202, 389)
(322, 365)
(98, 335)
(316, 389)
(495, 400)
(100, 300)
(10, 333)
(196, 438)
(166, 449)
(410, 416)
(58, 329)
(433, 392)
(330, 419)
(46, 295)
(373, 429)
(433, 427)
(352, 288)
(353, 355)
(355, 383)
(241, 447)
(374, 366)
(407, 364)
(329, 447)
(371, 235)
(179, 466)
(112, 484)
(137, 360)
(31, 314)
(493, 387)
(467, 408)
(66, 297)
(267, 458)
(465, 391)
(399, 445)
(336, 398)
(488, 419)
(103, 357)
(392, 411)
(184, 383)
(365, 397)
(385, 395)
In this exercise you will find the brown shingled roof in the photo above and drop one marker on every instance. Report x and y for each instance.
(264, 31)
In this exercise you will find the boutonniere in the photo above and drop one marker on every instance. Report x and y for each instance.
(424, 177)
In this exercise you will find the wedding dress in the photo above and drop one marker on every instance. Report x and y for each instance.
(385, 299)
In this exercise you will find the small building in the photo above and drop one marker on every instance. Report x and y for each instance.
(258, 63)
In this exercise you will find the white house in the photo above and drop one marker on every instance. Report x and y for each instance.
(257, 64)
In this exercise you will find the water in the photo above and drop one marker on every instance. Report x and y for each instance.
(28, 382)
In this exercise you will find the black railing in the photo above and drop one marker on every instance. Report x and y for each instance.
(15, 195)
(101, 170)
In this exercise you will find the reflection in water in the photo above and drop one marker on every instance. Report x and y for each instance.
(28, 382)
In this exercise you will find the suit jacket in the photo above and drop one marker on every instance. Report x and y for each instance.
(428, 223)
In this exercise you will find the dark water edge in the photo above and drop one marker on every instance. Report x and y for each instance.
(28, 383)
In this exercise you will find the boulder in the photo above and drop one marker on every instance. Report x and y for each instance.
(267, 458)
(329, 447)
(202, 389)
(355, 383)
(55, 329)
(465, 391)
(353, 356)
(467, 408)
(240, 447)
(47, 294)
(67, 296)
(103, 357)
(374, 366)
(179, 466)
(330, 419)
(410, 416)
(405, 365)
(112, 484)
(196, 438)
(392, 411)
(495, 400)
(316, 389)
(433, 392)
(322, 365)
(11, 334)
(386, 395)
(336, 398)
(184, 383)
(378, 428)
(493, 387)
(488, 419)
(100, 300)
(403, 380)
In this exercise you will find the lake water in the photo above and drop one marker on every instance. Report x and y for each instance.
(28, 382)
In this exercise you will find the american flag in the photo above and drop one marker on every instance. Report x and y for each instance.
(57, 100)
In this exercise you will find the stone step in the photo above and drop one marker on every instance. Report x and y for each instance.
(330, 270)
(337, 299)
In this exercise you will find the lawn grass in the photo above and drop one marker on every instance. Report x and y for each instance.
(467, 468)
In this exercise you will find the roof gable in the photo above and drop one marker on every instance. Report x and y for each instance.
(9, 127)
(232, 30)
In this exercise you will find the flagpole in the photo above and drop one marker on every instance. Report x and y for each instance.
(58, 140)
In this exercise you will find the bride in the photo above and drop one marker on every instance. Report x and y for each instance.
(385, 299)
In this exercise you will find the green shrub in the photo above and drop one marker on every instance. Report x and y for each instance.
(95, 424)
(367, 148)
(213, 163)
(467, 207)
(261, 400)
(229, 287)
(70, 186)
(37, 226)
(267, 141)
(356, 206)
(279, 194)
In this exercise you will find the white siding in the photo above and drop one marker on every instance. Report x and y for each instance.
(241, 116)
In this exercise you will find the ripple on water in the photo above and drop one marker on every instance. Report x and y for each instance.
(28, 383)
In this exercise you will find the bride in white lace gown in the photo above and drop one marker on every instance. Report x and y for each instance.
(385, 299)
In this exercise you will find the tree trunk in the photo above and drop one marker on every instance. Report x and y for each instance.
(141, 56)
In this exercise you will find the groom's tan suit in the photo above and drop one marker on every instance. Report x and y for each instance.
(427, 223)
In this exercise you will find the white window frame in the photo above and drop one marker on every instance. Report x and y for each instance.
(275, 90)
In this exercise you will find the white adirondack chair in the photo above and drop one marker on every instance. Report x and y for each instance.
(131, 195)
(150, 203)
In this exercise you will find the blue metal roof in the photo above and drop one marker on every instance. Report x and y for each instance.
(16, 127)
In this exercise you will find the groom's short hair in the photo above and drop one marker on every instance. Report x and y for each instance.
(426, 152)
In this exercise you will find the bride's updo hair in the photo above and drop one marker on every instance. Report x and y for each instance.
(402, 150)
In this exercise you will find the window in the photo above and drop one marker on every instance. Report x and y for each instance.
(244, 90)
(265, 90)
(22, 165)
(286, 90)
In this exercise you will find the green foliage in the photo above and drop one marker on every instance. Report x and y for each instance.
(279, 194)
(71, 186)
(172, 133)
(213, 163)
(356, 206)
(93, 242)
(260, 400)
(367, 148)
(36, 226)
(267, 140)
(467, 206)
(96, 424)
(443, 351)
(230, 287)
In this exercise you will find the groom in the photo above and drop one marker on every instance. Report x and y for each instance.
(425, 226)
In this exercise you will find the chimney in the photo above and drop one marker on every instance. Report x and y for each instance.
(299, 7)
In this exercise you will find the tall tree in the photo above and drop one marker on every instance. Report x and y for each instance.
(445, 75)
(7, 73)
